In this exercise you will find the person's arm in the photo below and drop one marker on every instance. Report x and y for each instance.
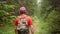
(32, 30)
(31, 26)
(15, 25)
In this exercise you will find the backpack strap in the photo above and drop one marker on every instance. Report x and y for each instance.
(24, 17)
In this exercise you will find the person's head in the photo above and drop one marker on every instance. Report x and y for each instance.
(22, 10)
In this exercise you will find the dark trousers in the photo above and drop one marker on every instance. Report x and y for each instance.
(22, 32)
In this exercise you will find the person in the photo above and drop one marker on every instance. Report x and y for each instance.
(28, 19)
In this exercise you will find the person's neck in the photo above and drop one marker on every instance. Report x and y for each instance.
(22, 14)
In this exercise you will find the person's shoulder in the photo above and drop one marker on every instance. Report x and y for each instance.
(29, 17)
(17, 18)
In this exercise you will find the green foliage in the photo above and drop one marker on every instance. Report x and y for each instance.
(46, 14)
(49, 17)
(3, 15)
(8, 7)
(8, 29)
(5, 10)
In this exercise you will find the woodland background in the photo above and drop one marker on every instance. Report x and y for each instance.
(44, 13)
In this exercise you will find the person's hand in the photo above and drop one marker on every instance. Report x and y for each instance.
(32, 30)
(16, 31)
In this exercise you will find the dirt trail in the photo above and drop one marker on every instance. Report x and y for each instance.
(36, 26)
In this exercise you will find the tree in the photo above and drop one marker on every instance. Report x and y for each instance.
(50, 14)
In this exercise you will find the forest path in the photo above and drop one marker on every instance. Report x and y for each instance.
(36, 25)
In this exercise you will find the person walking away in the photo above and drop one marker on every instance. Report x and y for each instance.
(23, 23)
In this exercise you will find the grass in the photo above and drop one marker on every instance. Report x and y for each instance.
(7, 29)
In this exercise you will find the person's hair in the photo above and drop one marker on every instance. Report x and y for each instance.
(22, 12)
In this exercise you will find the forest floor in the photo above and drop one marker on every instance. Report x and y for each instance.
(36, 27)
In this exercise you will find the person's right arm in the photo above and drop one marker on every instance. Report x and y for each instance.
(15, 24)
